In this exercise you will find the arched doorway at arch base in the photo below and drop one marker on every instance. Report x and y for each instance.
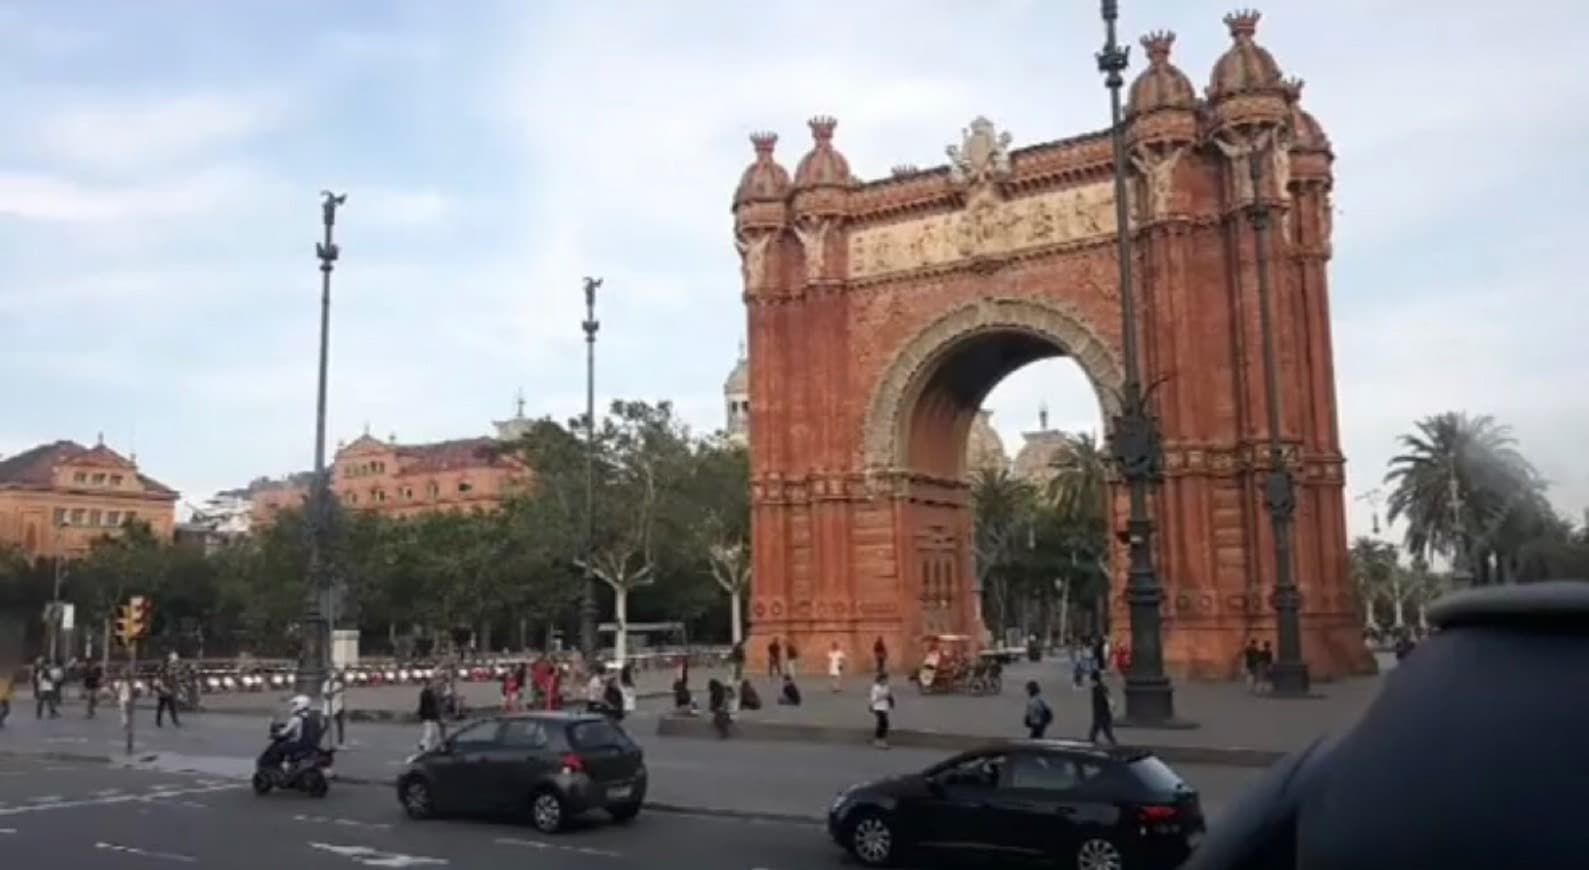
(867, 370)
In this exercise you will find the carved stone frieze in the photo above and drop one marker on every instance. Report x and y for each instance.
(752, 248)
(813, 235)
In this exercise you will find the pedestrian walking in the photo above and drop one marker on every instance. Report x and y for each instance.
(881, 703)
(5, 696)
(1038, 714)
(595, 691)
(46, 690)
(1249, 663)
(1103, 712)
(880, 654)
(93, 677)
(335, 707)
(836, 662)
(717, 705)
(430, 728)
(1266, 660)
(791, 659)
(165, 687)
(736, 660)
(774, 659)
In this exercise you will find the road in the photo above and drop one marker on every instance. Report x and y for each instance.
(772, 780)
(96, 817)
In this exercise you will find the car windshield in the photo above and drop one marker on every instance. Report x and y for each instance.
(598, 735)
(1157, 775)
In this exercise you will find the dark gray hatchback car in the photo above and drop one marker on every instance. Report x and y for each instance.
(552, 766)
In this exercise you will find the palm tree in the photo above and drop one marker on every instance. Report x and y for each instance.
(1080, 486)
(1373, 569)
(1465, 491)
(1002, 505)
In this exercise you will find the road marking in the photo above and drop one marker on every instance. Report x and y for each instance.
(108, 799)
(167, 802)
(376, 858)
(66, 740)
(46, 799)
(107, 792)
(145, 853)
(346, 823)
(557, 847)
(8, 830)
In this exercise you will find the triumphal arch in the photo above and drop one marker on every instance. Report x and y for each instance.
(881, 313)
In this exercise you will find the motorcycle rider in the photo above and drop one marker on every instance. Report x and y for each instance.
(297, 737)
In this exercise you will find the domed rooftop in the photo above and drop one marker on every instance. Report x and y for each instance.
(1245, 67)
(984, 448)
(1162, 85)
(823, 164)
(763, 179)
(1308, 134)
(738, 383)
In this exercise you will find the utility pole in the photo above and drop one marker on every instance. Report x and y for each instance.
(316, 626)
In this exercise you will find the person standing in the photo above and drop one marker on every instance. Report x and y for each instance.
(1249, 662)
(5, 696)
(165, 687)
(880, 654)
(791, 659)
(93, 677)
(775, 659)
(335, 709)
(430, 730)
(44, 689)
(1103, 712)
(1038, 714)
(881, 703)
(1266, 660)
(836, 662)
(736, 660)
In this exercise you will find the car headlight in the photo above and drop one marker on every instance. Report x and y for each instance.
(839, 800)
(412, 758)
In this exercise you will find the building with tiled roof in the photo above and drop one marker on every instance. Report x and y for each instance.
(402, 480)
(57, 498)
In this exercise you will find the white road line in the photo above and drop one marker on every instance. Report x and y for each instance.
(145, 853)
(167, 802)
(46, 799)
(109, 799)
(8, 830)
(556, 847)
(376, 858)
(346, 823)
(107, 792)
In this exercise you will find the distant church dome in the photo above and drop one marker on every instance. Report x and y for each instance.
(736, 399)
(984, 447)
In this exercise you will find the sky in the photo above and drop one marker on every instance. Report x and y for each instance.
(161, 163)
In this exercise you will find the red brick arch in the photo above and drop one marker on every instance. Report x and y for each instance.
(880, 314)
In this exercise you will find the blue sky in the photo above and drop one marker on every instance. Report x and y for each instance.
(161, 160)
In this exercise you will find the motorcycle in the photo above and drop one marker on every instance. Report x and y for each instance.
(306, 773)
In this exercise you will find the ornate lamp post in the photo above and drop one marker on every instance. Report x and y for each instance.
(1289, 674)
(587, 591)
(316, 624)
(1149, 696)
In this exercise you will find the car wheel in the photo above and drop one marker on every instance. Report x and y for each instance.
(624, 812)
(261, 782)
(546, 812)
(978, 686)
(1099, 854)
(872, 839)
(417, 800)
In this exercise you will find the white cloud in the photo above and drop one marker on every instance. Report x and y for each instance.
(124, 134)
(41, 197)
(406, 209)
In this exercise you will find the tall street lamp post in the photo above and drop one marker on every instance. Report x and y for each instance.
(316, 627)
(1149, 696)
(1289, 673)
(587, 591)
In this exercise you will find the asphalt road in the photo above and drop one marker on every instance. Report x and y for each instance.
(770, 779)
(97, 817)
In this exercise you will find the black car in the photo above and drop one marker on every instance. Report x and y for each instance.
(551, 765)
(1050, 800)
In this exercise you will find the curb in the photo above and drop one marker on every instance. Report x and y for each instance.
(376, 715)
(701, 728)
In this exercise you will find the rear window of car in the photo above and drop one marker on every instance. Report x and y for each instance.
(598, 735)
(1156, 775)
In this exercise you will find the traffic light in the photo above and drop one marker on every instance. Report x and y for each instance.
(133, 621)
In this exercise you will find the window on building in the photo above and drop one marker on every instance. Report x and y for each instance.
(353, 498)
(113, 518)
(94, 518)
(60, 516)
(380, 495)
(115, 480)
(432, 489)
(77, 516)
(99, 478)
(465, 486)
(80, 477)
(408, 493)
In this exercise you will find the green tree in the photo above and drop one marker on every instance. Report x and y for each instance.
(1004, 515)
(1466, 492)
(719, 495)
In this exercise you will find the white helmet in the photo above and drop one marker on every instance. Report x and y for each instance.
(299, 703)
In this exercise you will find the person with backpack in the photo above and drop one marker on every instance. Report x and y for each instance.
(1038, 714)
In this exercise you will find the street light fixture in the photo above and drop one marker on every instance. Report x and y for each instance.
(1289, 673)
(316, 626)
(587, 591)
(1150, 699)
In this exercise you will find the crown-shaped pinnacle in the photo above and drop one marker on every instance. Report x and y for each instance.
(1157, 44)
(904, 169)
(822, 127)
(763, 141)
(1243, 23)
(1293, 87)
